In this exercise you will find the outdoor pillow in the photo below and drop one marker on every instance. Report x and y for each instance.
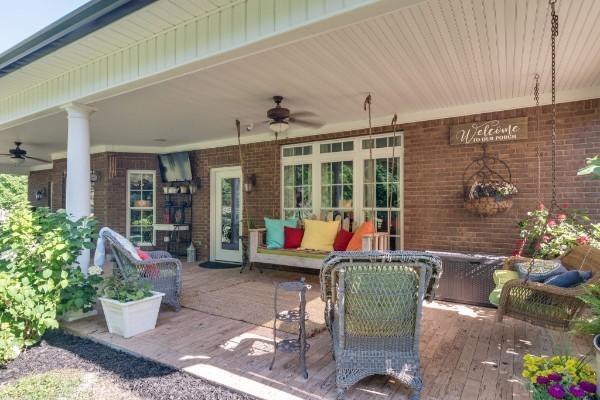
(149, 271)
(501, 276)
(356, 242)
(541, 271)
(274, 227)
(341, 240)
(319, 235)
(292, 237)
(569, 279)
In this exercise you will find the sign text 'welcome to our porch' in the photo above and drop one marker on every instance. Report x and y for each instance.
(497, 130)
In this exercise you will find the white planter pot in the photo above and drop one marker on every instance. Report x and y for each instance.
(71, 316)
(131, 318)
(597, 348)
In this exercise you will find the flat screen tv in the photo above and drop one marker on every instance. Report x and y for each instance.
(175, 167)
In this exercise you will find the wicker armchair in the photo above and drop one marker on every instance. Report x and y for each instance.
(163, 271)
(375, 301)
(545, 305)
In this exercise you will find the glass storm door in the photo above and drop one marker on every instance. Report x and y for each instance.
(227, 189)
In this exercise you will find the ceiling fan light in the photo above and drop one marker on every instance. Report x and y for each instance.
(17, 160)
(279, 126)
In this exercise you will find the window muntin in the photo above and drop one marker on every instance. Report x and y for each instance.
(141, 207)
(337, 178)
(297, 191)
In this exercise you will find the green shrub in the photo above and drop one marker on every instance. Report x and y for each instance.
(36, 248)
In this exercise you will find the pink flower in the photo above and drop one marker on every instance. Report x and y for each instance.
(537, 246)
(546, 238)
(561, 218)
(557, 391)
(541, 206)
(576, 391)
(583, 240)
(551, 223)
(565, 205)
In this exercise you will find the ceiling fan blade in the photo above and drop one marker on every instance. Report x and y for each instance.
(6, 154)
(308, 124)
(38, 159)
(303, 114)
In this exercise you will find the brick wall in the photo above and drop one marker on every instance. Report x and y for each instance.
(435, 217)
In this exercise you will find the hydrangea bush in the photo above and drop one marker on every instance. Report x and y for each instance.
(36, 249)
(548, 236)
(559, 377)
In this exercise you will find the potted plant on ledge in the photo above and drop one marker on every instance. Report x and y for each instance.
(130, 306)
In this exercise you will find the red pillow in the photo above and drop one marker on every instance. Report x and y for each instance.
(341, 240)
(149, 271)
(292, 237)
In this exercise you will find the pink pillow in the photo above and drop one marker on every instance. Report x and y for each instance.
(149, 271)
(341, 240)
(292, 237)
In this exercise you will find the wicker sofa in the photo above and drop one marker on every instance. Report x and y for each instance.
(545, 305)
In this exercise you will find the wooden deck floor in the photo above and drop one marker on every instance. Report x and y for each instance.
(465, 353)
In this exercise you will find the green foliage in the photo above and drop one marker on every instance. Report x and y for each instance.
(35, 249)
(81, 294)
(125, 288)
(48, 386)
(13, 191)
(592, 167)
(590, 324)
(548, 236)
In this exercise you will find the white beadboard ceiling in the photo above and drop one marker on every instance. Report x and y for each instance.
(434, 59)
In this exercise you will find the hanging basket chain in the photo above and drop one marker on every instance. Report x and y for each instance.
(536, 97)
(244, 201)
(554, 35)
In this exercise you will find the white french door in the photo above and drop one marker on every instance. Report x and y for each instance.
(226, 214)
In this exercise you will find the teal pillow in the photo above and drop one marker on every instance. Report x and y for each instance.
(275, 231)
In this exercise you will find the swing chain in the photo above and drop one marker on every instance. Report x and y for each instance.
(536, 97)
(367, 107)
(554, 35)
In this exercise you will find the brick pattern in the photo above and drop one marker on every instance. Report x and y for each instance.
(435, 217)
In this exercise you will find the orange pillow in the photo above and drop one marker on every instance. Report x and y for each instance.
(356, 242)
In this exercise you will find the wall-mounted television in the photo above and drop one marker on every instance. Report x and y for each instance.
(175, 167)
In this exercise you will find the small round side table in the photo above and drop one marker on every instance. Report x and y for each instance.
(299, 316)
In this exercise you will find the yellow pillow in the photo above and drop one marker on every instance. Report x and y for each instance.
(319, 235)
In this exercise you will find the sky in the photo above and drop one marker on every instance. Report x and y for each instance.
(22, 18)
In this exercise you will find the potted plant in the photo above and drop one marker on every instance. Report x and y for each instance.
(78, 299)
(590, 324)
(130, 306)
(489, 198)
(559, 377)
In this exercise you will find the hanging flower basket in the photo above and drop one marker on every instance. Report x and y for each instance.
(489, 198)
(487, 206)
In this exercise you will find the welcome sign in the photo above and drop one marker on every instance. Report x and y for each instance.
(497, 130)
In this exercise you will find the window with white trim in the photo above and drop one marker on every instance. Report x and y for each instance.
(333, 179)
(141, 209)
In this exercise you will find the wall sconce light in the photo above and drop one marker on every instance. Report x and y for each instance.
(94, 176)
(40, 194)
(250, 183)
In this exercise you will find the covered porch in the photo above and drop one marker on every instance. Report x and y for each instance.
(465, 354)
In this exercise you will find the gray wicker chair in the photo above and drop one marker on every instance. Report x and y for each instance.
(167, 278)
(374, 302)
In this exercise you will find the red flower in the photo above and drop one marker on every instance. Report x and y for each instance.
(517, 252)
(565, 205)
(541, 206)
(551, 223)
(561, 218)
(520, 243)
(583, 240)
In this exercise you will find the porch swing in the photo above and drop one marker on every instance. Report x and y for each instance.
(534, 302)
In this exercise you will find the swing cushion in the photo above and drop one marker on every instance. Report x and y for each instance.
(569, 279)
(501, 276)
(275, 237)
(356, 242)
(541, 271)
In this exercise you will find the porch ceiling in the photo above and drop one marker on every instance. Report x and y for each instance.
(431, 60)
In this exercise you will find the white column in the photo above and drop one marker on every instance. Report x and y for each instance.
(78, 167)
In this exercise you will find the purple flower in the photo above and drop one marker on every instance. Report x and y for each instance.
(577, 391)
(555, 377)
(542, 380)
(557, 391)
(587, 386)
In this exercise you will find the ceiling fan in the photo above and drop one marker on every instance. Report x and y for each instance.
(18, 155)
(280, 118)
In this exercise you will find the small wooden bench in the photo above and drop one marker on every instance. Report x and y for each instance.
(258, 252)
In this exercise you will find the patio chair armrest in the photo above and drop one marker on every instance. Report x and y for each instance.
(157, 254)
(257, 237)
(161, 263)
(509, 263)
